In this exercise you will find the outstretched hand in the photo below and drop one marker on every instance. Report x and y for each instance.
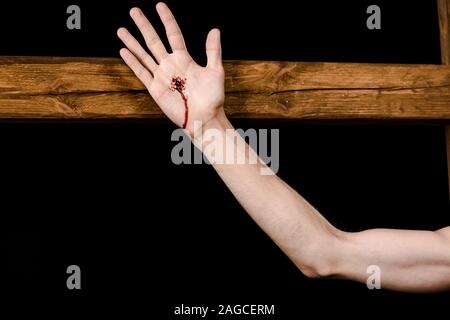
(185, 91)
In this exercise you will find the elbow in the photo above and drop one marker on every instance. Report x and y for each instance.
(323, 257)
(318, 269)
(314, 272)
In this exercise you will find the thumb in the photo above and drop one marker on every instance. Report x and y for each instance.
(213, 49)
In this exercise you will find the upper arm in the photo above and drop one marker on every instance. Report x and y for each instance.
(413, 261)
(445, 232)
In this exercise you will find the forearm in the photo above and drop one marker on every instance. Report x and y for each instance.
(415, 261)
(292, 223)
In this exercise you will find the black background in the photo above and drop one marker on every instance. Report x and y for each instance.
(149, 235)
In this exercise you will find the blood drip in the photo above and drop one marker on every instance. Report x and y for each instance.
(179, 84)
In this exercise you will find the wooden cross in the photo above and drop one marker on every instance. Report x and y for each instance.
(444, 26)
(104, 88)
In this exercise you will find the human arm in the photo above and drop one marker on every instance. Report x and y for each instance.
(409, 260)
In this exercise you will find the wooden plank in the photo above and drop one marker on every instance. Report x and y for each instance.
(447, 133)
(444, 26)
(58, 88)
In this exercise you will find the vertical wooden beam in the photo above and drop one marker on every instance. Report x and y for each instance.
(444, 26)
(447, 130)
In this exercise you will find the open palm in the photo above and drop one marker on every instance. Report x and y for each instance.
(185, 91)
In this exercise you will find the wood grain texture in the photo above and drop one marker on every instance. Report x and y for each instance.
(444, 26)
(447, 133)
(58, 88)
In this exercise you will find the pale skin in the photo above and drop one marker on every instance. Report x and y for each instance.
(410, 261)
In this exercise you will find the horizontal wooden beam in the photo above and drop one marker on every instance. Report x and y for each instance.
(85, 88)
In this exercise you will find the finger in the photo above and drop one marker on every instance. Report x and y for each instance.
(136, 49)
(173, 31)
(214, 49)
(142, 73)
(151, 38)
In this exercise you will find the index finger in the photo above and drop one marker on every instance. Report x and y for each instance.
(173, 31)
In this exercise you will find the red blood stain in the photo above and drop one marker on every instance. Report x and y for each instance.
(179, 84)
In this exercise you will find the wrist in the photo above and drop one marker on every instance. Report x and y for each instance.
(219, 123)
